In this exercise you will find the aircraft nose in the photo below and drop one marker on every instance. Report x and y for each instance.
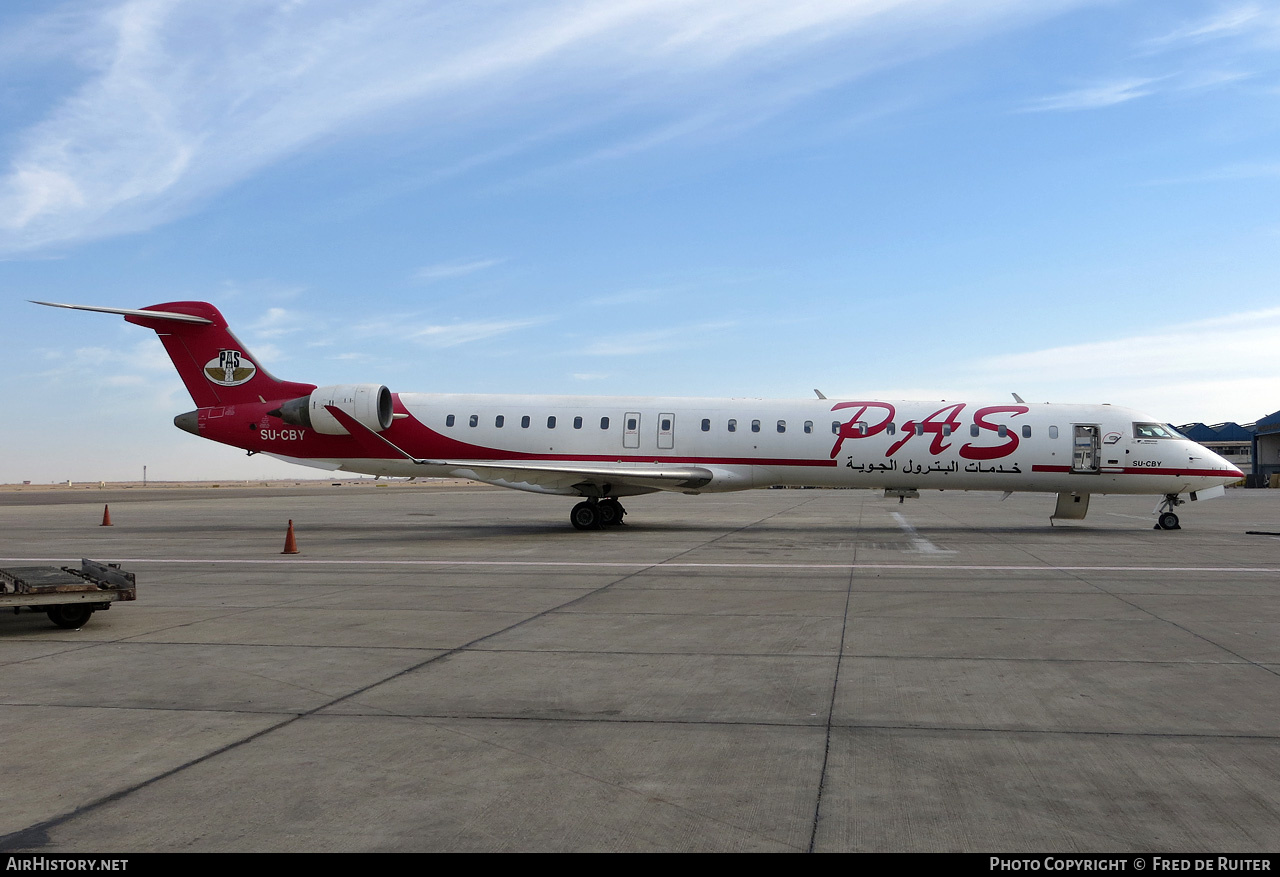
(1216, 463)
(1228, 468)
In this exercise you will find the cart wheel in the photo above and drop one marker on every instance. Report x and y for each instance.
(71, 615)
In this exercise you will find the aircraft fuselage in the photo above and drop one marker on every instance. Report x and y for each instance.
(751, 443)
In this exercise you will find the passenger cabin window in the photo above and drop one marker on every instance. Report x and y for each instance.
(861, 427)
(604, 423)
(577, 423)
(475, 419)
(973, 430)
(551, 422)
(808, 427)
(755, 426)
(1154, 431)
(499, 420)
(524, 422)
(946, 429)
(782, 426)
(1026, 431)
(1002, 430)
(733, 425)
(890, 429)
(919, 429)
(835, 427)
(706, 424)
(448, 421)
(1053, 432)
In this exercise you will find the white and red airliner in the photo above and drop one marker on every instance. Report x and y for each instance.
(601, 448)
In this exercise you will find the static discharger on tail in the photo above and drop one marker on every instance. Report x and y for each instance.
(602, 448)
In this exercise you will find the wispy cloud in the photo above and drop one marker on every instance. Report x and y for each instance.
(1227, 22)
(654, 340)
(260, 290)
(1093, 97)
(270, 353)
(142, 367)
(1227, 173)
(628, 297)
(454, 334)
(1220, 368)
(1233, 45)
(1224, 342)
(181, 100)
(278, 321)
(1205, 79)
(449, 270)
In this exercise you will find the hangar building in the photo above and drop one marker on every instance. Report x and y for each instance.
(1253, 448)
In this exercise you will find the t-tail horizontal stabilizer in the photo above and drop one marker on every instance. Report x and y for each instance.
(215, 366)
(129, 312)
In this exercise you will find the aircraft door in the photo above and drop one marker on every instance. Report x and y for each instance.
(631, 430)
(666, 431)
(1085, 448)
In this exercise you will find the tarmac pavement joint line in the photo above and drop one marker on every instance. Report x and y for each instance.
(831, 704)
(1275, 671)
(652, 564)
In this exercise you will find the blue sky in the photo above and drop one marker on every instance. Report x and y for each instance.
(1076, 201)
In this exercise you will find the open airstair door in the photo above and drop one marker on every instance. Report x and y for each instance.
(1086, 448)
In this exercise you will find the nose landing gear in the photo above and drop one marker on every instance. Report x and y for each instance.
(1167, 520)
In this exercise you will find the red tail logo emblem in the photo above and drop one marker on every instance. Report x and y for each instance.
(230, 368)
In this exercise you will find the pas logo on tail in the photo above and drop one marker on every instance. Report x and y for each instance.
(230, 368)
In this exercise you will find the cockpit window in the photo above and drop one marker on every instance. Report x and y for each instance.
(1155, 431)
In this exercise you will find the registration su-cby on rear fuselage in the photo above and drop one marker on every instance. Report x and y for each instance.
(600, 448)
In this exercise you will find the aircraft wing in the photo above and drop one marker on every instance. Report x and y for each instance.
(542, 477)
(578, 478)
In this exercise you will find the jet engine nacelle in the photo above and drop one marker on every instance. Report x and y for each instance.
(369, 404)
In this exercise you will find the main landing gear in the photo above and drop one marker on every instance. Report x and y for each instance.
(592, 514)
(1167, 520)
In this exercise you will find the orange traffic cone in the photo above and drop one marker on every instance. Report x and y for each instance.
(290, 543)
(106, 516)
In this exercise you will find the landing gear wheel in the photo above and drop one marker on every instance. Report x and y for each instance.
(71, 616)
(1167, 520)
(585, 516)
(611, 512)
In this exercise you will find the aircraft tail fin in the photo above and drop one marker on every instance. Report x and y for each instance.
(214, 365)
